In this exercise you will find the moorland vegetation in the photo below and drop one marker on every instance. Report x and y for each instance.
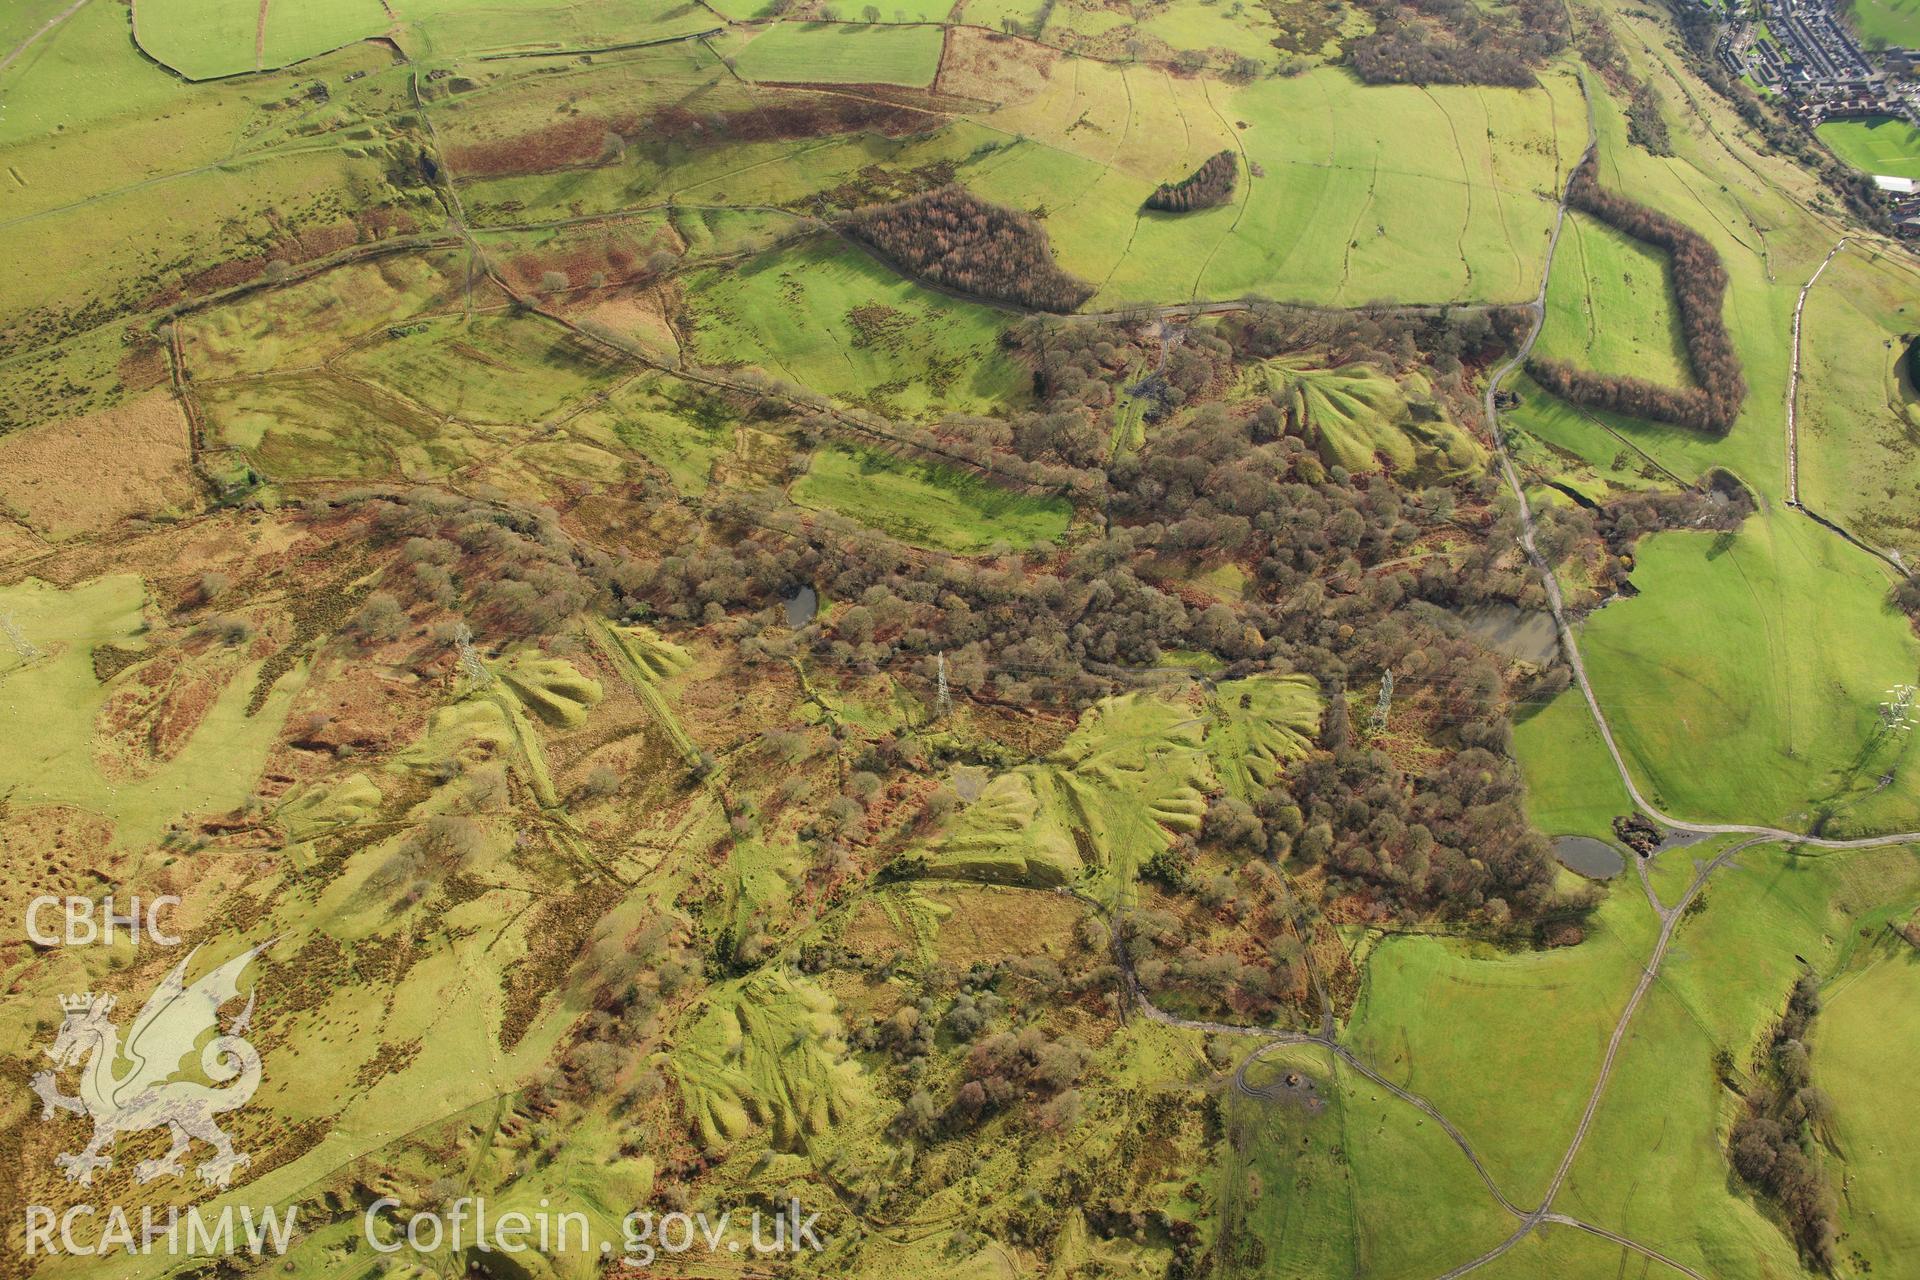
(1456, 42)
(641, 632)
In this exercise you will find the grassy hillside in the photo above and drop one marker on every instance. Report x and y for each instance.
(826, 316)
(1780, 721)
(699, 721)
(836, 54)
(1610, 306)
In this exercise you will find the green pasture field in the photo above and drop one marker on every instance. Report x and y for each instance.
(1722, 678)
(24, 20)
(1750, 206)
(1572, 786)
(56, 698)
(1863, 1044)
(507, 369)
(135, 122)
(1729, 693)
(1090, 146)
(1362, 1186)
(298, 30)
(1558, 440)
(1418, 1205)
(1859, 412)
(819, 53)
(1417, 196)
(928, 505)
(831, 318)
(317, 426)
(451, 28)
(1894, 22)
(207, 39)
(1565, 1253)
(1368, 192)
(1724, 201)
(1671, 872)
(1654, 1165)
(1310, 1230)
(1881, 145)
(201, 39)
(1610, 306)
(1433, 1014)
(1201, 27)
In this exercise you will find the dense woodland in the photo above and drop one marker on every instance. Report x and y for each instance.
(1334, 595)
(1646, 125)
(1699, 288)
(1773, 1145)
(1343, 585)
(957, 240)
(512, 572)
(1600, 49)
(1210, 185)
(1457, 42)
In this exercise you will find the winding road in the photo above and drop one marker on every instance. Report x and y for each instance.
(1758, 833)
(1557, 604)
(1669, 916)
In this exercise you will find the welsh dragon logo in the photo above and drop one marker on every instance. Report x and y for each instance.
(131, 1087)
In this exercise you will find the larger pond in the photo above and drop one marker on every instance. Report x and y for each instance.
(1583, 855)
(1526, 634)
(801, 606)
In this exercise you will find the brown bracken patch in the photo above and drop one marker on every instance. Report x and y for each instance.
(86, 474)
(994, 68)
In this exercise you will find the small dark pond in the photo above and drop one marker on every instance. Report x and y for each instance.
(801, 606)
(1583, 855)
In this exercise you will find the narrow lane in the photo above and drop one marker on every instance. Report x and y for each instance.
(1760, 834)
(1793, 380)
(42, 30)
